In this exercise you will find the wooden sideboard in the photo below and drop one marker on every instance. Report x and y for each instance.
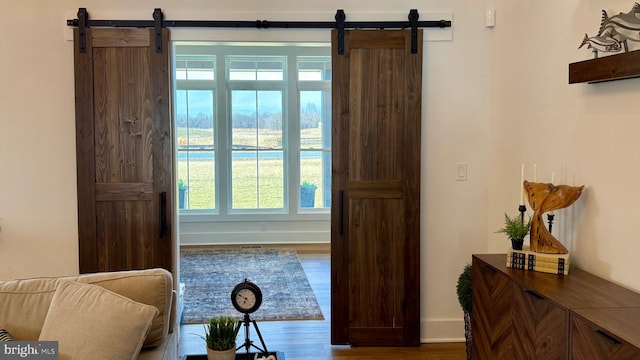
(521, 314)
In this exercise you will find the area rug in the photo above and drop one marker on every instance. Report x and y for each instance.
(210, 275)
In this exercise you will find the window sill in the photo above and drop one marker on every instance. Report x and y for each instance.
(255, 229)
(202, 217)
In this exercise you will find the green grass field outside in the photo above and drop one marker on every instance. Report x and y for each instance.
(256, 184)
(201, 180)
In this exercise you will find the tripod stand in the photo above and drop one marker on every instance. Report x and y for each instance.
(247, 341)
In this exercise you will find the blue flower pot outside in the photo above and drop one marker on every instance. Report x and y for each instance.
(307, 196)
(181, 195)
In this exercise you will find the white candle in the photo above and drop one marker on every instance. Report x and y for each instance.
(553, 180)
(521, 185)
(535, 176)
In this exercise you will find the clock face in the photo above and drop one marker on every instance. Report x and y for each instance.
(246, 297)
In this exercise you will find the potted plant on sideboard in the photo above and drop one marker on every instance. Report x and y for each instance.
(516, 229)
(220, 336)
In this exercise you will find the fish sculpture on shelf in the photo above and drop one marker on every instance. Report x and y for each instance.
(605, 43)
(615, 32)
(623, 27)
(545, 197)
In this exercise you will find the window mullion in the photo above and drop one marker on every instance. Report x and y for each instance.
(187, 200)
(257, 151)
(293, 134)
(223, 153)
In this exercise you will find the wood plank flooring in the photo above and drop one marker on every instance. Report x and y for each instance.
(311, 339)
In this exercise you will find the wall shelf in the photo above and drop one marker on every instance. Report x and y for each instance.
(608, 68)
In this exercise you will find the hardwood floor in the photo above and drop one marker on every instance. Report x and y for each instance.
(311, 339)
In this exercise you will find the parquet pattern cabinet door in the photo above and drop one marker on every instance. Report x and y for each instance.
(492, 314)
(124, 150)
(590, 342)
(540, 328)
(522, 314)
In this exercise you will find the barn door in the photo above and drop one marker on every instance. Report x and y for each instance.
(123, 145)
(375, 230)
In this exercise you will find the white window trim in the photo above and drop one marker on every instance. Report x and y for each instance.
(225, 226)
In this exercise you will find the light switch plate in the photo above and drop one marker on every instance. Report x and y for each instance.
(490, 18)
(461, 174)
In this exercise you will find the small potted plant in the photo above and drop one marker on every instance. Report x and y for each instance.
(516, 229)
(220, 335)
(182, 189)
(463, 288)
(307, 194)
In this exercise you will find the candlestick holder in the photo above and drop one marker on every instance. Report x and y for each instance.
(550, 218)
(522, 209)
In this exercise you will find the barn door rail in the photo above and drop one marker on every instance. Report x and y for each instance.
(83, 22)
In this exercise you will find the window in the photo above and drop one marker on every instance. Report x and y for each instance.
(253, 127)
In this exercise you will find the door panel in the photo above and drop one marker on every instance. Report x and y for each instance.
(376, 228)
(124, 151)
(123, 122)
(127, 221)
(376, 174)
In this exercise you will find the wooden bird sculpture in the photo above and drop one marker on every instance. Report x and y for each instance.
(545, 197)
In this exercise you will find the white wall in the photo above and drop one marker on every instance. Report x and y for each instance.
(493, 98)
(455, 104)
(586, 133)
(38, 234)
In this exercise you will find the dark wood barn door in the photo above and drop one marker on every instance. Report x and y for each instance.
(375, 229)
(124, 153)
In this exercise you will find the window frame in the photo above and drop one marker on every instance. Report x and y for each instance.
(222, 87)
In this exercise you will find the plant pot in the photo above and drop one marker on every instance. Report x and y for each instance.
(221, 355)
(307, 196)
(516, 244)
(181, 195)
(467, 333)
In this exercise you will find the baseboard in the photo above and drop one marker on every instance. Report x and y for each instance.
(301, 248)
(441, 330)
(254, 238)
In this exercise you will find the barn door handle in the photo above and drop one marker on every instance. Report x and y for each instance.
(609, 337)
(162, 203)
(341, 212)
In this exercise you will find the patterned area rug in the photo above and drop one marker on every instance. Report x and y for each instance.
(210, 275)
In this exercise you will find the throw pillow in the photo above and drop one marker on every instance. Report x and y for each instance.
(5, 336)
(90, 322)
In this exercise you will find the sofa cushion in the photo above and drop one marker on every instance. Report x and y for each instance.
(24, 305)
(5, 336)
(150, 286)
(90, 322)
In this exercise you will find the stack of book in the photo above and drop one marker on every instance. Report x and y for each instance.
(526, 259)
